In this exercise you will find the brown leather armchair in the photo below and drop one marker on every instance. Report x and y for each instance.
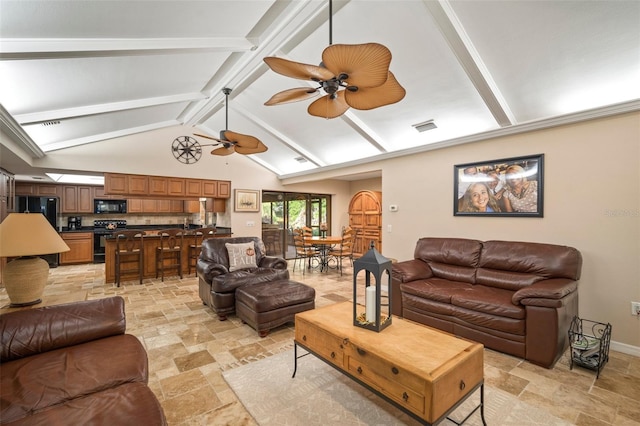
(73, 364)
(217, 283)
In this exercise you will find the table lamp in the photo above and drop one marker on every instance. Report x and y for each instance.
(25, 236)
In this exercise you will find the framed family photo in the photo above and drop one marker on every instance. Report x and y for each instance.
(504, 187)
(247, 200)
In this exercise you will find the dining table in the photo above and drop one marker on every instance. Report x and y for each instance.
(323, 244)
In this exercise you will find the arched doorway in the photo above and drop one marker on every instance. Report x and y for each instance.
(365, 217)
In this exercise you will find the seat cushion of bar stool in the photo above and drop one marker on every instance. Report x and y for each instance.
(267, 305)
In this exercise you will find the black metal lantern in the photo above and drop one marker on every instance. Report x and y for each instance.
(375, 313)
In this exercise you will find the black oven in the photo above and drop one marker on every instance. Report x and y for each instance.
(102, 229)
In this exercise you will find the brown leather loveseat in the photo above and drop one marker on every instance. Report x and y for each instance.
(217, 282)
(513, 297)
(73, 364)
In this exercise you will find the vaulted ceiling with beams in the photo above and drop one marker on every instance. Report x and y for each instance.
(80, 72)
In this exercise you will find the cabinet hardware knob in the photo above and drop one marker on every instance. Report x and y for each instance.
(333, 354)
(405, 396)
(360, 370)
(361, 351)
(462, 385)
(345, 340)
(304, 338)
(394, 370)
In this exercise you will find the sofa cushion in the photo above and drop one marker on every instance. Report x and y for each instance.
(437, 289)
(513, 265)
(128, 404)
(35, 382)
(489, 300)
(229, 282)
(241, 256)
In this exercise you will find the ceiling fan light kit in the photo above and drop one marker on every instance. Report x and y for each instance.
(352, 76)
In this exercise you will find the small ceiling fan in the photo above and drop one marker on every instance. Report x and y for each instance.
(361, 70)
(231, 141)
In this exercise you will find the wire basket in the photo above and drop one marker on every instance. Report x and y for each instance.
(589, 341)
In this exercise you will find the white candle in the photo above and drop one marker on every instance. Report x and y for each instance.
(370, 304)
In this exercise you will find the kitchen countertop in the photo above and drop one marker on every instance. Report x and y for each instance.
(220, 230)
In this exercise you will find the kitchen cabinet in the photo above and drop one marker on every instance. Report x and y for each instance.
(157, 185)
(162, 186)
(213, 205)
(176, 187)
(170, 206)
(38, 189)
(81, 245)
(145, 205)
(77, 199)
(193, 187)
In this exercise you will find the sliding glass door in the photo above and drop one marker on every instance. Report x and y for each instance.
(282, 212)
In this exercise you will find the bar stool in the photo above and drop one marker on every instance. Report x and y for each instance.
(129, 250)
(170, 249)
(200, 234)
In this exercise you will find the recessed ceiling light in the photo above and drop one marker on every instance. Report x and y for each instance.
(427, 125)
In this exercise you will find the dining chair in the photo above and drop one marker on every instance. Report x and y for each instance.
(305, 253)
(345, 249)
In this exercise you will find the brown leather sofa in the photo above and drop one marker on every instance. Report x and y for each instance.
(217, 285)
(73, 364)
(513, 297)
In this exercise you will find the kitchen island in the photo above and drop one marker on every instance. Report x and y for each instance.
(151, 242)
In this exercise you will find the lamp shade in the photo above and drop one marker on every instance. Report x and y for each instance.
(29, 234)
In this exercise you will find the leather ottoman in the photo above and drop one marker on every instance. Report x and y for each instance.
(271, 304)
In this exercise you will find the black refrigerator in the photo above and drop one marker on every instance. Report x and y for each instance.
(48, 206)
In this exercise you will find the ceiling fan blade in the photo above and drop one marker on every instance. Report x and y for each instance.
(223, 151)
(244, 150)
(292, 95)
(207, 137)
(297, 69)
(367, 65)
(329, 108)
(240, 140)
(369, 98)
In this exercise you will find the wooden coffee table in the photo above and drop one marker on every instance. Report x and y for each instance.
(425, 372)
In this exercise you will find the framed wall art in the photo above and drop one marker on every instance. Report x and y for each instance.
(505, 187)
(247, 200)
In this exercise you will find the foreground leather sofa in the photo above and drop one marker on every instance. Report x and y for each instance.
(217, 283)
(513, 297)
(73, 364)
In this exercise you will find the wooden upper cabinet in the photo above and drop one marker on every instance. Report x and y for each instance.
(161, 186)
(85, 199)
(216, 188)
(44, 190)
(115, 183)
(138, 184)
(193, 188)
(176, 187)
(158, 185)
(224, 189)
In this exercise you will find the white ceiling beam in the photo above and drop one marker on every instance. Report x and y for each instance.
(59, 114)
(14, 49)
(470, 60)
(54, 146)
(278, 135)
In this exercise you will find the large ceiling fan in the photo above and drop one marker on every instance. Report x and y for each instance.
(360, 70)
(231, 141)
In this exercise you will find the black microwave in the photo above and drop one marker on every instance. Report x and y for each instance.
(109, 206)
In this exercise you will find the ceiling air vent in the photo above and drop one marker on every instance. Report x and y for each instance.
(50, 123)
(301, 159)
(427, 125)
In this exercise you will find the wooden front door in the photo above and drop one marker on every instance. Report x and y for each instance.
(365, 217)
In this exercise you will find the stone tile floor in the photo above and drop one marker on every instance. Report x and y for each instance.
(189, 348)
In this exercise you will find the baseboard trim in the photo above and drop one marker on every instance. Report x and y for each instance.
(625, 349)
